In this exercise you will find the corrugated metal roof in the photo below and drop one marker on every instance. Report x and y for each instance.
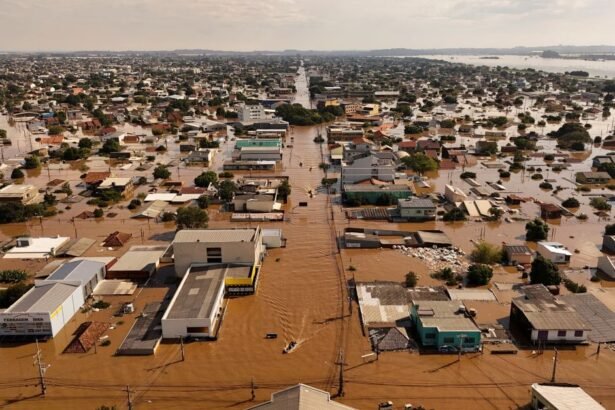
(43, 298)
(139, 258)
(83, 270)
(567, 397)
(215, 235)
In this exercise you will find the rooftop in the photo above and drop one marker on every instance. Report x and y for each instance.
(416, 203)
(43, 298)
(301, 397)
(82, 270)
(215, 235)
(566, 397)
(139, 258)
(196, 295)
(545, 312)
(445, 316)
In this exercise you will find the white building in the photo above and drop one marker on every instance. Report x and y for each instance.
(553, 251)
(301, 397)
(216, 246)
(606, 263)
(251, 112)
(552, 396)
(25, 194)
(51, 303)
(36, 248)
(454, 194)
(367, 166)
(196, 307)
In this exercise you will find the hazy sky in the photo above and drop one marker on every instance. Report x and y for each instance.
(301, 24)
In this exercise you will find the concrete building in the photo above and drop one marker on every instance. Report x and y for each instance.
(251, 112)
(593, 177)
(417, 209)
(375, 194)
(139, 263)
(24, 194)
(606, 264)
(301, 397)
(518, 254)
(542, 318)
(369, 165)
(445, 325)
(259, 154)
(454, 194)
(196, 307)
(553, 251)
(217, 246)
(36, 248)
(608, 243)
(559, 396)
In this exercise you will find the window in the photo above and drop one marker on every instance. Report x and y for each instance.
(449, 340)
(214, 255)
(561, 333)
(198, 330)
(430, 336)
(468, 340)
(578, 333)
(543, 335)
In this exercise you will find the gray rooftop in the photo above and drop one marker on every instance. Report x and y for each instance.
(139, 258)
(197, 293)
(416, 203)
(82, 270)
(545, 312)
(215, 235)
(444, 316)
(43, 298)
(376, 188)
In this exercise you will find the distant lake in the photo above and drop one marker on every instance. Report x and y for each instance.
(552, 65)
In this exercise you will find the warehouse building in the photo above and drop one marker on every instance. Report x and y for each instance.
(43, 310)
(87, 273)
(139, 263)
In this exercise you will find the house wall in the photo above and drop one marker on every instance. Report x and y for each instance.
(606, 266)
(552, 336)
(520, 258)
(232, 252)
(417, 213)
(554, 257)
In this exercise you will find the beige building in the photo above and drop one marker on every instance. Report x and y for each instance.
(25, 194)
(217, 246)
(301, 397)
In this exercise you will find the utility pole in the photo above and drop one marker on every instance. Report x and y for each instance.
(461, 337)
(340, 390)
(181, 346)
(128, 398)
(554, 367)
(252, 390)
(41, 369)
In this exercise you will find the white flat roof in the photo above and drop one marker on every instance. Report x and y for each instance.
(567, 397)
(38, 248)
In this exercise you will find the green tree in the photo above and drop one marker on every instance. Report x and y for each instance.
(98, 213)
(496, 213)
(600, 203)
(50, 199)
(162, 172)
(536, 230)
(13, 293)
(13, 275)
(17, 174)
(111, 145)
(454, 214)
(479, 274)
(191, 217)
(411, 280)
(203, 202)
(32, 162)
(486, 253)
(609, 229)
(227, 190)
(85, 143)
(420, 163)
(571, 203)
(545, 272)
(205, 179)
(284, 190)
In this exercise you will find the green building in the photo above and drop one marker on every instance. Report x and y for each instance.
(445, 325)
(360, 194)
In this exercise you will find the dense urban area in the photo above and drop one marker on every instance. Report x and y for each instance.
(248, 231)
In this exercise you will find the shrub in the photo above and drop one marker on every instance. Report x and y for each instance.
(574, 287)
(101, 304)
(545, 185)
(13, 275)
(544, 272)
(600, 204)
(537, 177)
(411, 279)
(571, 203)
(479, 274)
(536, 230)
(454, 214)
(98, 213)
(486, 253)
